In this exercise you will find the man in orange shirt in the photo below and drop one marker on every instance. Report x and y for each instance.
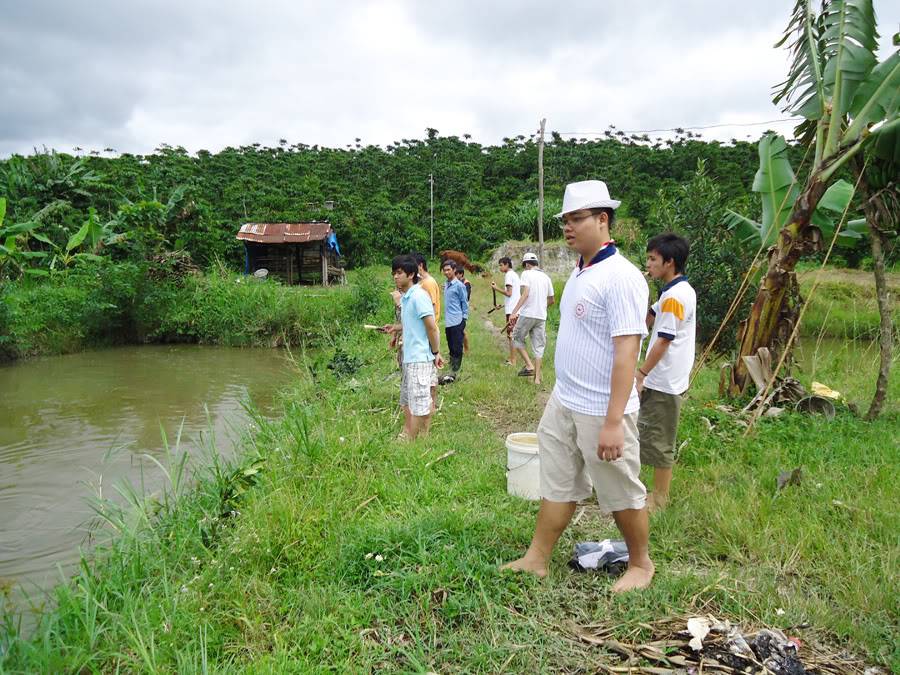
(428, 284)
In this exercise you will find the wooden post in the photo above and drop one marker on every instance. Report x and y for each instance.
(324, 265)
(431, 190)
(541, 193)
(290, 266)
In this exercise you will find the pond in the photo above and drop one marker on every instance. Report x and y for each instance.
(73, 424)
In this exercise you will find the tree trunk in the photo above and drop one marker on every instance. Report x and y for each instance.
(774, 311)
(879, 219)
(884, 308)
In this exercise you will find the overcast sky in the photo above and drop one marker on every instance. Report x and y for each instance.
(132, 74)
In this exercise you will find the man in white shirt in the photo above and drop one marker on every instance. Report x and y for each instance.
(529, 316)
(511, 291)
(589, 427)
(664, 376)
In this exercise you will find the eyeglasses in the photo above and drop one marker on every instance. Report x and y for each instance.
(573, 220)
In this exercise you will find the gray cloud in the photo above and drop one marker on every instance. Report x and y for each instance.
(206, 74)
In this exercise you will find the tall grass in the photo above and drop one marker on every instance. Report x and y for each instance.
(99, 304)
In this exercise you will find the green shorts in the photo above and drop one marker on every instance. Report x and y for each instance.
(657, 425)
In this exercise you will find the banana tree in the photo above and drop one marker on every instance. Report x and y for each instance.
(846, 99)
(14, 253)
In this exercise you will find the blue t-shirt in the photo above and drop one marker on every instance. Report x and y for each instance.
(415, 305)
(456, 303)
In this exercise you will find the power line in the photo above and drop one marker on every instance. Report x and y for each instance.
(656, 131)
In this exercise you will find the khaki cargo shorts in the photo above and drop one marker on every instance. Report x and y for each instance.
(415, 387)
(567, 443)
(536, 329)
(657, 425)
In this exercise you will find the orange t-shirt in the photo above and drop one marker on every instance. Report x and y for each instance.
(430, 286)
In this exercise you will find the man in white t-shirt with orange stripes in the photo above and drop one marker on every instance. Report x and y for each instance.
(589, 427)
(663, 377)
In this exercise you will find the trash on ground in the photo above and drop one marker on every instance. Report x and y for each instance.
(698, 627)
(694, 644)
(816, 405)
(609, 556)
(820, 389)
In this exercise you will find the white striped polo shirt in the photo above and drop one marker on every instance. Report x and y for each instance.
(599, 302)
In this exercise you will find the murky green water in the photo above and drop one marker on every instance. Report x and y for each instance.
(70, 424)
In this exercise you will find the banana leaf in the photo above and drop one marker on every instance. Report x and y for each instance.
(878, 97)
(76, 239)
(776, 184)
(833, 55)
(748, 232)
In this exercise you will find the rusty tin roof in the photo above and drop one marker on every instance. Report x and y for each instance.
(284, 233)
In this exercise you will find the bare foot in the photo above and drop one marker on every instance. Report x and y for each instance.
(635, 578)
(656, 501)
(526, 564)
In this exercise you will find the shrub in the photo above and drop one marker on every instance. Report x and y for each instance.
(716, 264)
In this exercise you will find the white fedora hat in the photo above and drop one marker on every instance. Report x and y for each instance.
(587, 194)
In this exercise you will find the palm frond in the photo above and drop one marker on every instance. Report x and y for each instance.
(802, 91)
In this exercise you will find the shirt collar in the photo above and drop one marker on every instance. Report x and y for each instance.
(608, 249)
(409, 291)
(676, 280)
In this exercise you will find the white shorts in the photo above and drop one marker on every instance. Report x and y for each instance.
(567, 443)
(415, 387)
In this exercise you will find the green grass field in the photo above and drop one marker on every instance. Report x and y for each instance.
(331, 547)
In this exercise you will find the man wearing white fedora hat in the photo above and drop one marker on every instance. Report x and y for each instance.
(589, 426)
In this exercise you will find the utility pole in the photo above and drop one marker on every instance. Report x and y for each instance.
(431, 183)
(541, 193)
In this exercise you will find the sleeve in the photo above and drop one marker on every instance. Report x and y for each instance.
(508, 280)
(626, 302)
(523, 279)
(464, 300)
(424, 306)
(550, 291)
(669, 317)
(434, 292)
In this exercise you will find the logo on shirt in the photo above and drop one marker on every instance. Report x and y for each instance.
(580, 310)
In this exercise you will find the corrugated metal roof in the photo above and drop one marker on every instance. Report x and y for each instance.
(284, 233)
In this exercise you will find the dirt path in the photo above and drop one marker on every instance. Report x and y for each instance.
(859, 278)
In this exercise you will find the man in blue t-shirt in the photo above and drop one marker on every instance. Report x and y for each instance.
(421, 345)
(456, 311)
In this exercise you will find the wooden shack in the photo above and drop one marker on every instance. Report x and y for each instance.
(295, 253)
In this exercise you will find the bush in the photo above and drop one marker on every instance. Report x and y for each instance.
(99, 303)
(88, 304)
(716, 264)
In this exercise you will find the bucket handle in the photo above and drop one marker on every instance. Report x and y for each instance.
(527, 461)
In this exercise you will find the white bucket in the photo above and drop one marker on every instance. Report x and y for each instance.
(523, 469)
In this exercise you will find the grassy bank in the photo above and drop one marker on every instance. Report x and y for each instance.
(100, 304)
(844, 304)
(332, 547)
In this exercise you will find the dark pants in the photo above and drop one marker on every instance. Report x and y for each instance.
(455, 335)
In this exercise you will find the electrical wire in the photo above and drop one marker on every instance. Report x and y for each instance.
(656, 131)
